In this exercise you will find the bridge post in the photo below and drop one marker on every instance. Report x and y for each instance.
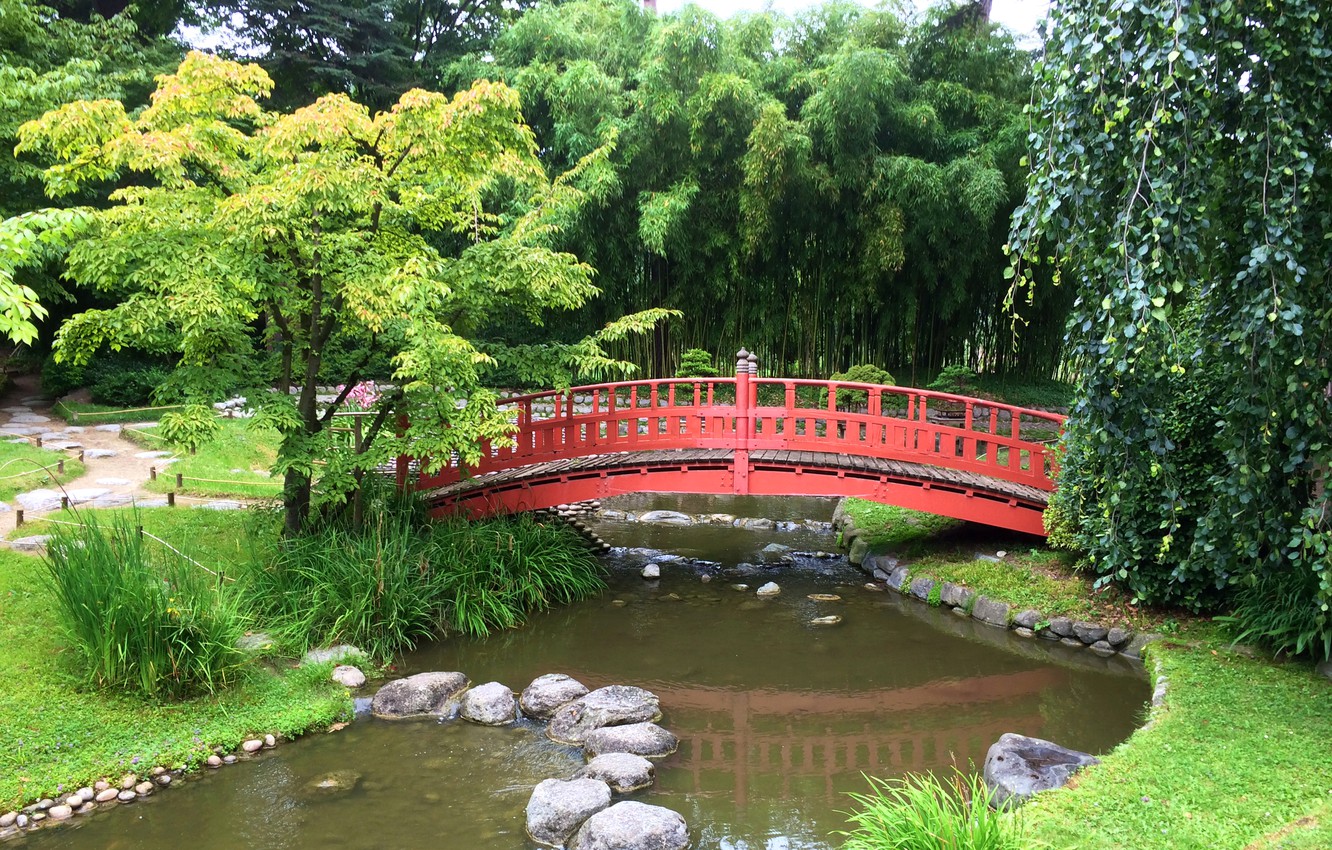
(746, 365)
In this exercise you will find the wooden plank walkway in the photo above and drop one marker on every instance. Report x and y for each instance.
(724, 458)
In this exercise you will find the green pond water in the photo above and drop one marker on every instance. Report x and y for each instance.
(778, 719)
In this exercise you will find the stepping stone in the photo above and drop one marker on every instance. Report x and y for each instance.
(112, 500)
(19, 442)
(30, 544)
(39, 500)
(74, 429)
(222, 506)
(96, 453)
(61, 445)
(24, 430)
(79, 495)
(17, 409)
(151, 503)
(150, 455)
(29, 417)
(4, 506)
(113, 482)
(109, 429)
(53, 435)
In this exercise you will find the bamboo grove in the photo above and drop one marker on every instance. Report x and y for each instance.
(827, 189)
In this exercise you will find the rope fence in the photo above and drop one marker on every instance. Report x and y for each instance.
(142, 534)
(75, 416)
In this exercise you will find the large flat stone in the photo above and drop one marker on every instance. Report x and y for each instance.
(614, 705)
(422, 694)
(1018, 767)
(991, 612)
(630, 825)
(558, 807)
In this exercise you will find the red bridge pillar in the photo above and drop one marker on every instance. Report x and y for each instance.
(746, 366)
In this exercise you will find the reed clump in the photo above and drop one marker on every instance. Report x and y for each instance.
(924, 812)
(401, 578)
(141, 617)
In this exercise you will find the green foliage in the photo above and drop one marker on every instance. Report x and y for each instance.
(233, 462)
(823, 189)
(1278, 610)
(143, 619)
(401, 579)
(924, 812)
(127, 379)
(60, 377)
(696, 363)
(1203, 247)
(862, 373)
(190, 427)
(258, 230)
(955, 379)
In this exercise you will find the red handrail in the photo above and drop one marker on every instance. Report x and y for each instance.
(746, 413)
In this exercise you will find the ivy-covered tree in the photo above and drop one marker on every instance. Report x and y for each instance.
(262, 230)
(1180, 159)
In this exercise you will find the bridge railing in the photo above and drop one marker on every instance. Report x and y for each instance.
(746, 413)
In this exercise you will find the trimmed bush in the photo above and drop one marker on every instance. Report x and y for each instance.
(863, 373)
(696, 363)
(956, 380)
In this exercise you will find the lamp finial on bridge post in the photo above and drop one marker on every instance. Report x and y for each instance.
(752, 363)
(742, 361)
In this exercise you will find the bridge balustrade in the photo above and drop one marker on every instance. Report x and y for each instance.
(746, 413)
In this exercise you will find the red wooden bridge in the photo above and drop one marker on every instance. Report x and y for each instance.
(961, 457)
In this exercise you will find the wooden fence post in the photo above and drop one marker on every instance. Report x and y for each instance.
(180, 481)
(171, 499)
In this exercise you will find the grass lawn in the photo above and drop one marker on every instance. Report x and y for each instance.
(57, 734)
(1239, 757)
(21, 468)
(235, 464)
(87, 413)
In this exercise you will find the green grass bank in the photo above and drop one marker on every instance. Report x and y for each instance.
(59, 734)
(1237, 757)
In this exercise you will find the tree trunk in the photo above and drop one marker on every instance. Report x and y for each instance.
(295, 502)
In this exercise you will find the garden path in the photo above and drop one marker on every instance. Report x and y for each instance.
(116, 469)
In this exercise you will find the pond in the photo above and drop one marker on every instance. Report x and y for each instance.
(778, 719)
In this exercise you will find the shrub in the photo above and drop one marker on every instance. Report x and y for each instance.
(190, 427)
(957, 380)
(60, 378)
(921, 812)
(127, 378)
(146, 620)
(863, 373)
(696, 363)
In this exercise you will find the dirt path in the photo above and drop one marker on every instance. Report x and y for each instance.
(116, 468)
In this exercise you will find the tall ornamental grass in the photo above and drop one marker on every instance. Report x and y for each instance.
(402, 579)
(141, 617)
(923, 812)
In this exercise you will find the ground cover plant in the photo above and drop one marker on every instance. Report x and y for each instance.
(58, 732)
(32, 467)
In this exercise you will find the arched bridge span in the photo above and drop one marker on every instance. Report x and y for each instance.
(956, 456)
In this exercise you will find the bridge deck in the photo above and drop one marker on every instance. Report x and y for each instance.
(724, 458)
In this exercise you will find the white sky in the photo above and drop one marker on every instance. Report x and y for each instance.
(1020, 16)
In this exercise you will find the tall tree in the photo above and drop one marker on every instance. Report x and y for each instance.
(279, 230)
(1181, 159)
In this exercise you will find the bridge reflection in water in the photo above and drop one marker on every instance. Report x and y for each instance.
(745, 743)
